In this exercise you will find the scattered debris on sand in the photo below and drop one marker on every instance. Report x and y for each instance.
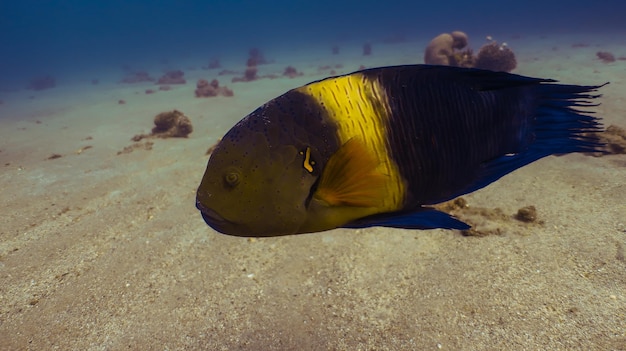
(490, 221)
(146, 145)
(614, 140)
(527, 214)
(54, 156)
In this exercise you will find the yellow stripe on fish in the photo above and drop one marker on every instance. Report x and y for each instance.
(360, 109)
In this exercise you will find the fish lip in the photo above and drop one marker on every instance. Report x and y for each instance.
(211, 217)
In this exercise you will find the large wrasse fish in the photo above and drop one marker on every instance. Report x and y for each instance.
(377, 146)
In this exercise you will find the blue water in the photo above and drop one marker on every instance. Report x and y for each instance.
(74, 36)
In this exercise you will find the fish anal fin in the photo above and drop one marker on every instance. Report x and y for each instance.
(420, 218)
(351, 178)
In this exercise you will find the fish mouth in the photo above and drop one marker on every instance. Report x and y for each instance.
(212, 218)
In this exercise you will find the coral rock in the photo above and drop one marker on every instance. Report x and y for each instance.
(605, 56)
(137, 77)
(42, 83)
(173, 77)
(171, 124)
(367, 49)
(291, 72)
(442, 48)
(206, 89)
(496, 57)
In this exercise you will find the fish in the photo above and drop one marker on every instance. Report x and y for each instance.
(381, 146)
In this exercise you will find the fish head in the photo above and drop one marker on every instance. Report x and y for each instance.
(256, 182)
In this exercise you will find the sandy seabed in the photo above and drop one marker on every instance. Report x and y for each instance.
(106, 251)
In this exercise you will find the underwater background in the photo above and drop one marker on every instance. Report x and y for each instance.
(73, 36)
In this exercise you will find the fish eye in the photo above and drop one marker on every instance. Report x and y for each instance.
(232, 178)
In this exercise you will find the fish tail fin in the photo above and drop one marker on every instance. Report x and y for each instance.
(562, 125)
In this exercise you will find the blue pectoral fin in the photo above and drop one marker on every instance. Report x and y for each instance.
(423, 218)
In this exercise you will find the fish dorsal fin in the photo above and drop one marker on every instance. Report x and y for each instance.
(351, 178)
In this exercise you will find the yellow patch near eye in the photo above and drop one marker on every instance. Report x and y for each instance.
(308, 164)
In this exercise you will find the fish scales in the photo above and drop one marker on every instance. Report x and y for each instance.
(376, 147)
(463, 129)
